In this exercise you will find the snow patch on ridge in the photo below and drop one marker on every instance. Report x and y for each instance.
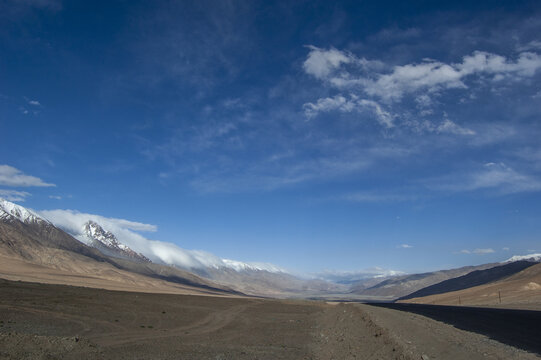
(529, 257)
(253, 266)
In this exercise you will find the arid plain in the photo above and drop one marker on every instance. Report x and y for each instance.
(43, 321)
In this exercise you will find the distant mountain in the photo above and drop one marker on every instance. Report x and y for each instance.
(399, 286)
(31, 236)
(272, 284)
(34, 232)
(108, 244)
(33, 240)
(474, 278)
(93, 251)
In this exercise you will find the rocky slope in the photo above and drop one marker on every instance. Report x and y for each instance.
(107, 243)
(29, 241)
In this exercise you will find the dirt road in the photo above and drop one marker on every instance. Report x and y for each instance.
(62, 322)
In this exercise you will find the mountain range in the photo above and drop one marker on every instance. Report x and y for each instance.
(32, 248)
(26, 235)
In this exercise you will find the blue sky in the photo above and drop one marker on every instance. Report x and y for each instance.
(311, 135)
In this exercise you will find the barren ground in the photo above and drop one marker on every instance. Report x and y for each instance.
(39, 321)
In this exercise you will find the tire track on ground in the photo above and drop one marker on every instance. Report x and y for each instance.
(210, 323)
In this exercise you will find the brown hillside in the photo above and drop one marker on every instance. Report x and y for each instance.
(522, 290)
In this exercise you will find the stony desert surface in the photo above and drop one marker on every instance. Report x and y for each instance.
(44, 321)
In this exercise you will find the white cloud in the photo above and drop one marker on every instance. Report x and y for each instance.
(73, 221)
(10, 176)
(497, 176)
(328, 104)
(320, 63)
(448, 126)
(505, 249)
(384, 117)
(372, 84)
(32, 102)
(445, 127)
(478, 251)
(404, 246)
(56, 197)
(342, 104)
(429, 75)
(13, 195)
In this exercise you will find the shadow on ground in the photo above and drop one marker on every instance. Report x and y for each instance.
(518, 328)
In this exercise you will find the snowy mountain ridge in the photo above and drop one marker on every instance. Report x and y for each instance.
(242, 266)
(89, 230)
(529, 257)
(107, 242)
(9, 210)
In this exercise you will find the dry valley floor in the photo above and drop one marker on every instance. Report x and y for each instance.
(39, 321)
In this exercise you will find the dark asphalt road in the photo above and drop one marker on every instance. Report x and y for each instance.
(518, 328)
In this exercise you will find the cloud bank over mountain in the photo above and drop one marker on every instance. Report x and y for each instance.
(127, 233)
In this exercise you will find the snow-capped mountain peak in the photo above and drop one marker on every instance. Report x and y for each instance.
(529, 257)
(107, 242)
(94, 231)
(9, 210)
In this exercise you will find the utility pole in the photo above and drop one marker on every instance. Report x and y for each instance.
(500, 296)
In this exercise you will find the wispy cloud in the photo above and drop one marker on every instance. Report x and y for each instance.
(14, 195)
(128, 232)
(321, 63)
(342, 104)
(478, 251)
(271, 173)
(493, 176)
(351, 276)
(404, 246)
(32, 102)
(10, 176)
(201, 53)
(377, 197)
